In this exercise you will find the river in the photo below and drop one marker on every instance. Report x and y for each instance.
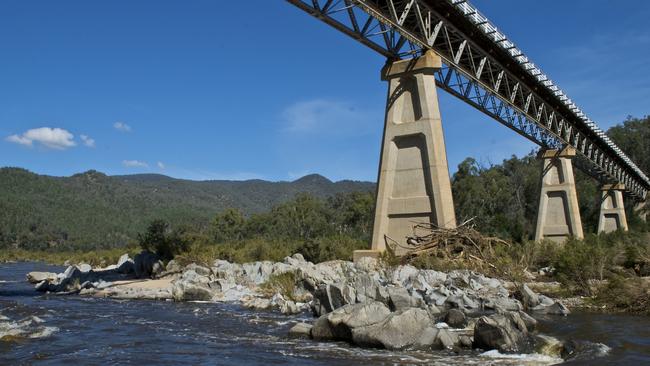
(92, 331)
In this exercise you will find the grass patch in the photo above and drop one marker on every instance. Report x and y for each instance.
(621, 294)
(283, 283)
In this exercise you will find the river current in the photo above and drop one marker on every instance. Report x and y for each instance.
(90, 331)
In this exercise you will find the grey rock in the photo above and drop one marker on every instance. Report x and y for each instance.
(289, 308)
(545, 300)
(200, 270)
(446, 339)
(339, 324)
(455, 318)
(295, 260)
(437, 339)
(144, 263)
(504, 304)
(173, 267)
(530, 322)
(258, 272)
(504, 332)
(528, 297)
(125, 264)
(365, 287)
(36, 277)
(331, 297)
(187, 291)
(322, 330)
(465, 341)
(84, 268)
(300, 330)
(399, 331)
(556, 308)
(400, 299)
(404, 274)
(257, 303)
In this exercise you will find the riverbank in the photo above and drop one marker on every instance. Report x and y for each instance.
(365, 304)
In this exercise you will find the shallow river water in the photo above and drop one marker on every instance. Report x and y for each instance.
(89, 331)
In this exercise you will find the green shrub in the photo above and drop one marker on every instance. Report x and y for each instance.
(162, 240)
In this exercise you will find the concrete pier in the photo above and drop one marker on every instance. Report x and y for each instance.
(640, 209)
(558, 215)
(612, 209)
(413, 183)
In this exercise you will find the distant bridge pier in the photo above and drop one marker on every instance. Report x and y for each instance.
(612, 210)
(413, 182)
(640, 209)
(558, 215)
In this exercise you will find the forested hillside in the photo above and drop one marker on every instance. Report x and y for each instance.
(92, 209)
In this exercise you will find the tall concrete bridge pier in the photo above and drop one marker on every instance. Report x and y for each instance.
(413, 180)
(558, 213)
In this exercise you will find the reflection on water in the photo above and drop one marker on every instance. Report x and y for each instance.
(105, 331)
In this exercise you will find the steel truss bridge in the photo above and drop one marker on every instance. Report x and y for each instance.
(486, 70)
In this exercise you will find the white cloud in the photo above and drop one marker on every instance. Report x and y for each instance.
(121, 126)
(134, 164)
(53, 138)
(327, 116)
(161, 165)
(87, 140)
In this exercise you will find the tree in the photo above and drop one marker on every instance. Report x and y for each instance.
(229, 225)
(162, 240)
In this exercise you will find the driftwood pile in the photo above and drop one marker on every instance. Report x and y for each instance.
(462, 246)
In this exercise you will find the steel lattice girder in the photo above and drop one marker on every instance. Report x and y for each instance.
(484, 69)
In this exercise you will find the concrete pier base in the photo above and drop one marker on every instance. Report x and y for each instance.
(612, 210)
(413, 183)
(558, 215)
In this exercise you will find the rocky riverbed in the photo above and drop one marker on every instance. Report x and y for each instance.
(364, 304)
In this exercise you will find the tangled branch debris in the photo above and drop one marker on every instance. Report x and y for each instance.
(462, 247)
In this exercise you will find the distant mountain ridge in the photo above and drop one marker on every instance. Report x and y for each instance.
(110, 210)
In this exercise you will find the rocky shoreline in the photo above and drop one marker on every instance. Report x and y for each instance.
(365, 303)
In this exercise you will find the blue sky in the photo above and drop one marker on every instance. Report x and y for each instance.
(258, 89)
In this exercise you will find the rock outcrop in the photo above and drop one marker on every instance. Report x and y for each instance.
(363, 303)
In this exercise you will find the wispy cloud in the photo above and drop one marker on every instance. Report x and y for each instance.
(121, 126)
(134, 164)
(161, 165)
(53, 138)
(87, 140)
(327, 116)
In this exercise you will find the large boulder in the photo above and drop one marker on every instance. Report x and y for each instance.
(401, 299)
(192, 286)
(36, 277)
(455, 318)
(506, 332)
(144, 264)
(339, 324)
(528, 297)
(300, 330)
(125, 265)
(258, 272)
(84, 267)
(330, 297)
(400, 330)
(438, 339)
